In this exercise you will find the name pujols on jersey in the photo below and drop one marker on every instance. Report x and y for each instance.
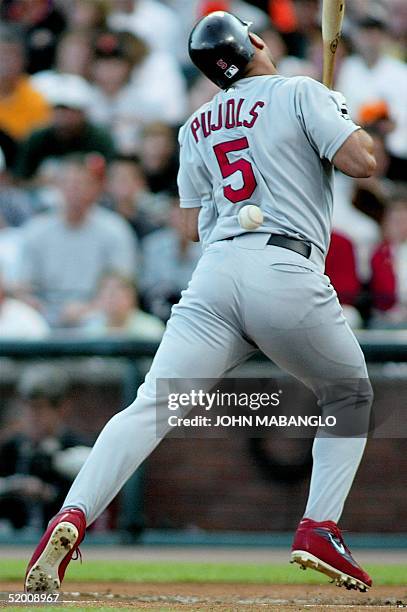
(229, 115)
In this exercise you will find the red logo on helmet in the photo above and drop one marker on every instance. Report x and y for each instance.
(222, 64)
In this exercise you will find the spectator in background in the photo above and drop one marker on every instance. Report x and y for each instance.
(389, 267)
(69, 131)
(42, 25)
(373, 76)
(355, 225)
(169, 260)
(130, 197)
(134, 87)
(204, 7)
(296, 49)
(340, 266)
(282, 14)
(19, 321)
(74, 56)
(145, 19)
(87, 15)
(11, 248)
(159, 157)
(38, 464)
(117, 312)
(304, 28)
(397, 12)
(67, 252)
(116, 104)
(15, 209)
(15, 204)
(22, 107)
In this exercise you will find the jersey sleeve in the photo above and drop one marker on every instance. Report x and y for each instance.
(189, 195)
(323, 116)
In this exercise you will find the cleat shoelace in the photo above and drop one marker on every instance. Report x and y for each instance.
(77, 555)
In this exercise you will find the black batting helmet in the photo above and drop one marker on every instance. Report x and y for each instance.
(220, 46)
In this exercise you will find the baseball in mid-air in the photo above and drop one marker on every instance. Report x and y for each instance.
(250, 217)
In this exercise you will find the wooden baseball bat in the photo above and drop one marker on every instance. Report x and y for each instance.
(332, 18)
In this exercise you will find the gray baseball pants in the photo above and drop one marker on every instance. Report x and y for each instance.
(242, 293)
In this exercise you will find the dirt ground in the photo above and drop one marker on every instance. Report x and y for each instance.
(224, 597)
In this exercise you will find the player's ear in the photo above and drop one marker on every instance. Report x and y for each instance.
(257, 41)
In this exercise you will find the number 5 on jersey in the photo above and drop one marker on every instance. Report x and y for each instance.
(229, 168)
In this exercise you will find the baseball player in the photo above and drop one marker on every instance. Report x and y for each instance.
(272, 142)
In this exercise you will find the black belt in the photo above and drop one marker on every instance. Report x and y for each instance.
(292, 244)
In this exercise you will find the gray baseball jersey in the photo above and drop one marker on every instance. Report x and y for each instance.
(268, 141)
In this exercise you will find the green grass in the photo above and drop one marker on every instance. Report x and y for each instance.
(117, 571)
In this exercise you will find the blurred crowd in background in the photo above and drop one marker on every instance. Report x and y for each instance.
(92, 93)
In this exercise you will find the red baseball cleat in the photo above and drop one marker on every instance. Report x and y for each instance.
(320, 546)
(48, 564)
